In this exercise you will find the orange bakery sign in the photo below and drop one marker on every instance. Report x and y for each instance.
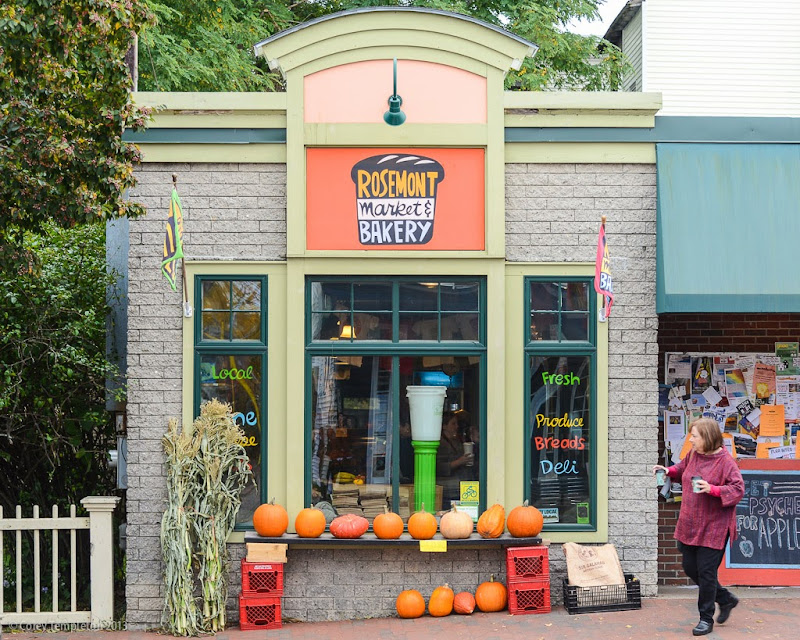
(412, 199)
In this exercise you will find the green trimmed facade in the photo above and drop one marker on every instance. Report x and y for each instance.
(508, 316)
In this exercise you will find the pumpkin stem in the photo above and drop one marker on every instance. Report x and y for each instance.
(422, 507)
(272, 501)
(385, 509)
(491, 578)
(311, 506)
(525, 504)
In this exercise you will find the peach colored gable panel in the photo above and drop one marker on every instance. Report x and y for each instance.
(432, 93)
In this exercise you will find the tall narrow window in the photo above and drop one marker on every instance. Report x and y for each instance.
(560, 455)
(230, 365)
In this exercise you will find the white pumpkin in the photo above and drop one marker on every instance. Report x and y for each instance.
(456, 524)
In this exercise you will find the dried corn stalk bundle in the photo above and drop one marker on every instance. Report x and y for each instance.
(207, 469)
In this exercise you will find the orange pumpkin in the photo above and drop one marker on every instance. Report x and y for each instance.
(270, 520)
(525, 521)
(349, 526)
(492, 522)
(491, 596)
(422, 525)
(310, 523)
(456, 524)
(441, 602)
(410, 604)
(388, 525)
(464, 603)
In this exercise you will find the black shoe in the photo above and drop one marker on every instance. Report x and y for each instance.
(703, 627)
(725, 610)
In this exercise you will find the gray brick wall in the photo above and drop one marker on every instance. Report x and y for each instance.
(345, 584)
(553, 215)
(231, 212)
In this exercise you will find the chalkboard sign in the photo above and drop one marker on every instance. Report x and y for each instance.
(768, 522)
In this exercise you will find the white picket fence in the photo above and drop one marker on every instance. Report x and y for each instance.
(101, 540)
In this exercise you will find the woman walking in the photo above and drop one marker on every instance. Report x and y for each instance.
(712, 487)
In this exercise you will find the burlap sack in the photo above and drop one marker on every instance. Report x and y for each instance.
(593, 566)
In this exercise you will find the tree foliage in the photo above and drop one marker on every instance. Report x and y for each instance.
(54, 430)
(207, 45)
(64, 102)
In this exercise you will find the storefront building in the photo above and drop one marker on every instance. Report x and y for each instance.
(333, 259)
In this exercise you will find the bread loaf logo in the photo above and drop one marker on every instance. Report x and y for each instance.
(396, 198)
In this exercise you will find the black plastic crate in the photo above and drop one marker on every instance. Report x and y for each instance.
(606, 598)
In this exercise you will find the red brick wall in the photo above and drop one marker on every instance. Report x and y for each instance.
(712, 333)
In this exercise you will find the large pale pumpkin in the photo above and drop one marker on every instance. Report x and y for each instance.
(270, 520)
(310, 523)
(492, 522)
(456, 524)
(525, 521)
(422, 525)
(441, 602)
(464, 603)
(410, 604)
(491, 596)
(349, 526)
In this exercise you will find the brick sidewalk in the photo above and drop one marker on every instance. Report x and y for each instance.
(763, 614)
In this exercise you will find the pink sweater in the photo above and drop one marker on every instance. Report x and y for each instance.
(706, 520)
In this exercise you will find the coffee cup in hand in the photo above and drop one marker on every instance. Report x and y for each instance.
(695, 484)
(468, 452)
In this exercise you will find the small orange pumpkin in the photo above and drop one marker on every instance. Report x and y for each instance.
(270, 520)
(464, 603)
(422, 525)
(441, 602)
(456, 524)
(525, 521)
(491, 596)
(410, 604)
(388, 525)
(492, 522)
(310, 523)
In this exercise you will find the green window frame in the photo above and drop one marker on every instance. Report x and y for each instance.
(569, 333)
(225, 344)
(392, 344)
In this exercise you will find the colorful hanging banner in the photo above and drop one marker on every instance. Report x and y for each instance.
(173, 240)
(602, 274)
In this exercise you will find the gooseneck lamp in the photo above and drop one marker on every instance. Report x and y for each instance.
(394, 117)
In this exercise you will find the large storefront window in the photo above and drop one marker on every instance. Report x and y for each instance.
(368, 341)
(230, 365)
(560, 431)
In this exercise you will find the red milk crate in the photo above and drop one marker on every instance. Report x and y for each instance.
(262, 578)
(527, 563)
(529, 596)
(259, 612)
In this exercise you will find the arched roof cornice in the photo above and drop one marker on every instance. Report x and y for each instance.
(415, 32)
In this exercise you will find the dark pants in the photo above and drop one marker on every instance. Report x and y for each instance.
(701, 564)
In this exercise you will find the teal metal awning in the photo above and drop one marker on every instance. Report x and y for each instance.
(728, 228)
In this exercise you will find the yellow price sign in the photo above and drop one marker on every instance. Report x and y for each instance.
(433, 545)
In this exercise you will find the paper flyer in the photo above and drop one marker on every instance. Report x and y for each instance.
(763, 380)
(787, 393)
(781, 452)
(679, 367)
(712, 397)
(674, 426)
(734, 383)
(718, 371)
(772, 421)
